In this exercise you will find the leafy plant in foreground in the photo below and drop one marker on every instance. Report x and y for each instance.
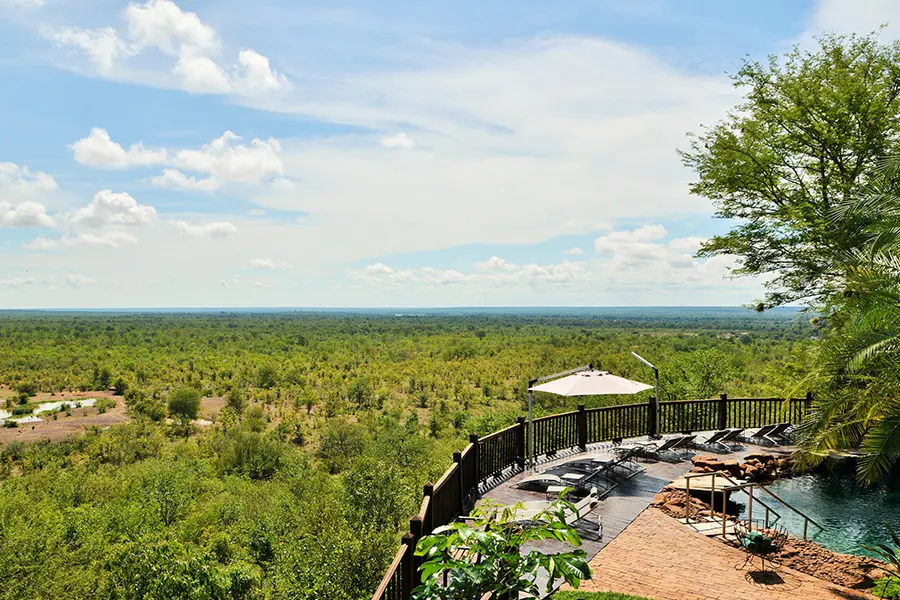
(496, 537)
(891, 556)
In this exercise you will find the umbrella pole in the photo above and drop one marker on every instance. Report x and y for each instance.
(530, 444)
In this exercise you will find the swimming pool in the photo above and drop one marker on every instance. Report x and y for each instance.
(851, 515)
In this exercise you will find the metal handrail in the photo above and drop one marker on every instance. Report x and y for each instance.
(734, 485)
(806, 520)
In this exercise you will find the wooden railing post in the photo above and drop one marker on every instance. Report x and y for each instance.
(476, 450)
(461, 500)
(581, 427)
(408, 567)
(653, 417)
(520, 442)
(415, 533)
(428, 523)
(807, 405)
(723, 411)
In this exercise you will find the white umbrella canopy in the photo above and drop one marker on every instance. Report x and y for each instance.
(591, 383)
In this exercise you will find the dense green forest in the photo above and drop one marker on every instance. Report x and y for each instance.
(328, 427)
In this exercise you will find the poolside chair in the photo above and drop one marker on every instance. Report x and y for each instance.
(539, 482)
(714, 441)
(761, 435)
(732, 440)
(652, 449)
(581, 509)
(686, 443)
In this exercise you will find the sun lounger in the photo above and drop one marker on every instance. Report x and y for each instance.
(527, 511)
(780, 431)
(761, 434)
(653, 449)
(733, 439)
(539, 482)
(714, 441)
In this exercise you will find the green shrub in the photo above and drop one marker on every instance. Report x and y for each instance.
(249, 453)
(22, 410)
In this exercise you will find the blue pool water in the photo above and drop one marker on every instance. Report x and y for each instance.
(851, 515)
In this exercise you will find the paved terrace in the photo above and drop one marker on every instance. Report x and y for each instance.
(650, 553)
(625, 502)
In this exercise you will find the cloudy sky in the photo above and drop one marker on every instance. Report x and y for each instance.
(393, 153)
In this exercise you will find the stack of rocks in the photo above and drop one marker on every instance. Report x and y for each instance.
(760, 467)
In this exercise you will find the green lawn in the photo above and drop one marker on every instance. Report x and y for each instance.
(594, 596)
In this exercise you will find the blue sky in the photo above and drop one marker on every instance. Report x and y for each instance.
(275, 153)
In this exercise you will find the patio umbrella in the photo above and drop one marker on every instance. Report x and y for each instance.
(584, 381)
(591, 383)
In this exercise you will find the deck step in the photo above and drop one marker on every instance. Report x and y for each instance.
(710, 527)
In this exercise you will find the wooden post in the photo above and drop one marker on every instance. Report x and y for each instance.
(723, 411)
(461, 500)
(473, 439)
(415, 531)
(581, 427)
(712, 497)
(807, 405)
(520, 442)
(687, 504)
(408, 566)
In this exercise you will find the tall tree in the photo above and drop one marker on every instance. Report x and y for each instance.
(806, 138)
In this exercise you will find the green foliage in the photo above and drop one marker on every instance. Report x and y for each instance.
(497, 538)
(140, 405)
(249, 453)
(184, 404)
(237, 400)
(890, 555)
(342, 441)
(886, 587)
(807, 136)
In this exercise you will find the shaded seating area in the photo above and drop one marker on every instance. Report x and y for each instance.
(601, 473)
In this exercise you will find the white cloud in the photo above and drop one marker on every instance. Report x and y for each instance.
(175, 179)
(254, 75)
(20, 180)
(27, 4)
(113, 239)
(200, 74)
(210, 230)
(687, 244)
(26, 214)
(573, 251)
(860, 16)
(98, 150)
(267, 264)
(103, 47)
(162, 25)
(496, 264)
(493, 272)
(27, 280)
(224, 160)
(399, 140)
(78, 280)
(111, 208)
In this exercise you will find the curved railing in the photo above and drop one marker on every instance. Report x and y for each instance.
(488, 460)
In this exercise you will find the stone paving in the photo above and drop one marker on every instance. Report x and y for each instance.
(657, 558)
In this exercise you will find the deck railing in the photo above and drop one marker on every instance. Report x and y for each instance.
(488, 460)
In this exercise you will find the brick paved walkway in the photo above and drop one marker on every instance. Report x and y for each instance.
(662, 560)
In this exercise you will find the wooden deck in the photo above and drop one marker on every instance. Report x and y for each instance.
(623, 504)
